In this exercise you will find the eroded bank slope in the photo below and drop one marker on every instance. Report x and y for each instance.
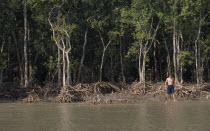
(101, 93)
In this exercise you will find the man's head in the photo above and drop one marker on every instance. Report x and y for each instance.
(170, 75)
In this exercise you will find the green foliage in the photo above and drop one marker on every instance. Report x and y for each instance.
(133, 52)
(205, 48)
(186, 58)
(3, 61)
(51, 64)
(123, 21)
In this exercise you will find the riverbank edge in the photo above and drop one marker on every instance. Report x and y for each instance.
(102, 93)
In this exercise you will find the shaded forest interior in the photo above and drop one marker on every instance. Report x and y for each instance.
(67, 42)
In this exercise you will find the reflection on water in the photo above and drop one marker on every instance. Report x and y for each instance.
(175, 116)
(65, 116)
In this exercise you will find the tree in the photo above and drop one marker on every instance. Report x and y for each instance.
(116, 40)
(103, 23)
(83, 56)
(26, 82)
(142, 16)
(62, 38)
(202, 9)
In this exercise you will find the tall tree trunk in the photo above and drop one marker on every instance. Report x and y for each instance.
(197, 55)
(2, 46)
(175, 53)
(70, 76)
(144, 50)
(181, 75)
(199, 72)
(8, 56)
(19, 61)
(140, 65)
(155, 64)
(160, 65)
(68, 69)
(1, 52)
(1, 76)
(64, 70)
(121, 62)
(102, 62)
(168, 57)
(202, 67)
(168, 64)
(30, 71)
(64, 38)
(143, 67)
(199, 64)
(161, 73)
(111, 70)
(74, 76)
(30, 68)
(180, 66)
(59, 67)
(175, 45)
(102, 59)
(175, 58)
(59, 56)
(25, 47)
(83, 57)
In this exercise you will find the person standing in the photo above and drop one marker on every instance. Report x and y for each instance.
(170, 88)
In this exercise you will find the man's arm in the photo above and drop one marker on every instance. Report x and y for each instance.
(173, 82)
(166, 83)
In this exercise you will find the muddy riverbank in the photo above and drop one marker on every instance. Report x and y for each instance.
(101, 93)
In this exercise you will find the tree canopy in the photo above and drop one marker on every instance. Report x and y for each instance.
(105, 40)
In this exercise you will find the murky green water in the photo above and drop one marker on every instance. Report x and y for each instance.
(175, 116)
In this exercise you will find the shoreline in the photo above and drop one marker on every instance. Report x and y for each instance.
(102, 93)
(84, 103)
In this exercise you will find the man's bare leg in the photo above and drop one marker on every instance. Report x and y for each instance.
(169, 97)
(174, 97)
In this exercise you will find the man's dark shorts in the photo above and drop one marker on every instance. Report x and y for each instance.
(170, 89)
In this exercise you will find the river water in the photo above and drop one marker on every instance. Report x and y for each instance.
(174, 116)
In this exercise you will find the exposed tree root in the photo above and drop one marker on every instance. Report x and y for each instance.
(64, 96)
(103, 93)
(31, 98)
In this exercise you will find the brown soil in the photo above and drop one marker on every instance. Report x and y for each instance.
(101, 93)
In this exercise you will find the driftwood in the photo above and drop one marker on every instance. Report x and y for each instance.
(102, 92)
(31, 98)
(88, 93)
(193, 92)
(50, 89)
(64, 96)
